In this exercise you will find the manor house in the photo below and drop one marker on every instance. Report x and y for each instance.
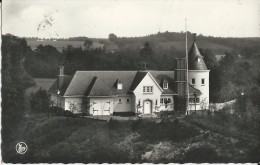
(129, 92)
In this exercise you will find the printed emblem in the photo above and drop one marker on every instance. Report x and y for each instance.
(21, 148)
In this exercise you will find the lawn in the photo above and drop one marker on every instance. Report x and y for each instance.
(61, 139)
(58, 44)
(44, 83)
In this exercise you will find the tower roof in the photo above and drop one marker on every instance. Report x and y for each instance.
(196, 61)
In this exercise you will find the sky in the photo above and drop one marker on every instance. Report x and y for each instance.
(125, 18)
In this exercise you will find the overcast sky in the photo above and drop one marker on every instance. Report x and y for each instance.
(96, 19)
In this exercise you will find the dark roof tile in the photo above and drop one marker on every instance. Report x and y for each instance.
(196, 61)
(54, 88)
(102, 83)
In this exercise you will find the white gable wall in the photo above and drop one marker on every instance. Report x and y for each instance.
(141, 96)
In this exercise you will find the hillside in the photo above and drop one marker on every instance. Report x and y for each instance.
(191, 139)
(160, 42)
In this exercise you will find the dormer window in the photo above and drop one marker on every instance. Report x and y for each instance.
(119, 86)
(165, 85)
(198, 59)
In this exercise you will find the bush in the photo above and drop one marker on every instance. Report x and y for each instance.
(68, 113)
(40, 101)
(201, 154)
(57, 110)
(175, 131)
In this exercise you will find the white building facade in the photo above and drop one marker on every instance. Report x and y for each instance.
(131, 92)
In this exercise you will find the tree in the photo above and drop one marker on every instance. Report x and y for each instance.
(88, 43)
(14, 82)
(112, 37)
(146, 53)
(40, 101)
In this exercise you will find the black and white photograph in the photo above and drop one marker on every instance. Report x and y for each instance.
(120, 81)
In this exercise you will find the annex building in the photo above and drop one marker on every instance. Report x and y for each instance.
(129, 92)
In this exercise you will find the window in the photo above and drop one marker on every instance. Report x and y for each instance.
(161, 101)
(166, 100)
(192, 100)
(203, 81)
(119, 86)
(156, 102)
(119, 101)
(127, 100)
(147, 89)
(165, 85)
(193, 81)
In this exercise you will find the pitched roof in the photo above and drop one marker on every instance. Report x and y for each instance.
(196, 61)
(83, 80)
(96, 85)
(66, 81)
(159, 76)
(138, 78)
(102, 83)
(193, 90)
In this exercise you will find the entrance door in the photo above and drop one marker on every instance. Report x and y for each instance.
(147, 107)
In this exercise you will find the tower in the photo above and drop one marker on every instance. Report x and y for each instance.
(198, 77)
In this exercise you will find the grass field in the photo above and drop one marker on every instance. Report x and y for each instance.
(63, 139)
(180, 46)
(58, 44)
(44, 83)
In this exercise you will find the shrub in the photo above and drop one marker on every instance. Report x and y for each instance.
(176, 130)
(57, 110)
(201, 154)
(40, 101)
(68, 113)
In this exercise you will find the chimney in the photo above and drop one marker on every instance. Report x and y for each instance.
(180, 84)
(61, 76)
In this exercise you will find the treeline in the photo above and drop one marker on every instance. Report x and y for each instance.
(233, 75)
(43, 61)
(14, 82)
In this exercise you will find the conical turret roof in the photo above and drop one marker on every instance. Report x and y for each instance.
(196, 61)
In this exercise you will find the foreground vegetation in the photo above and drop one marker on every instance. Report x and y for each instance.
(194, 139)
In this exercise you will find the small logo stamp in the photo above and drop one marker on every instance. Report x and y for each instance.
(21, 148)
